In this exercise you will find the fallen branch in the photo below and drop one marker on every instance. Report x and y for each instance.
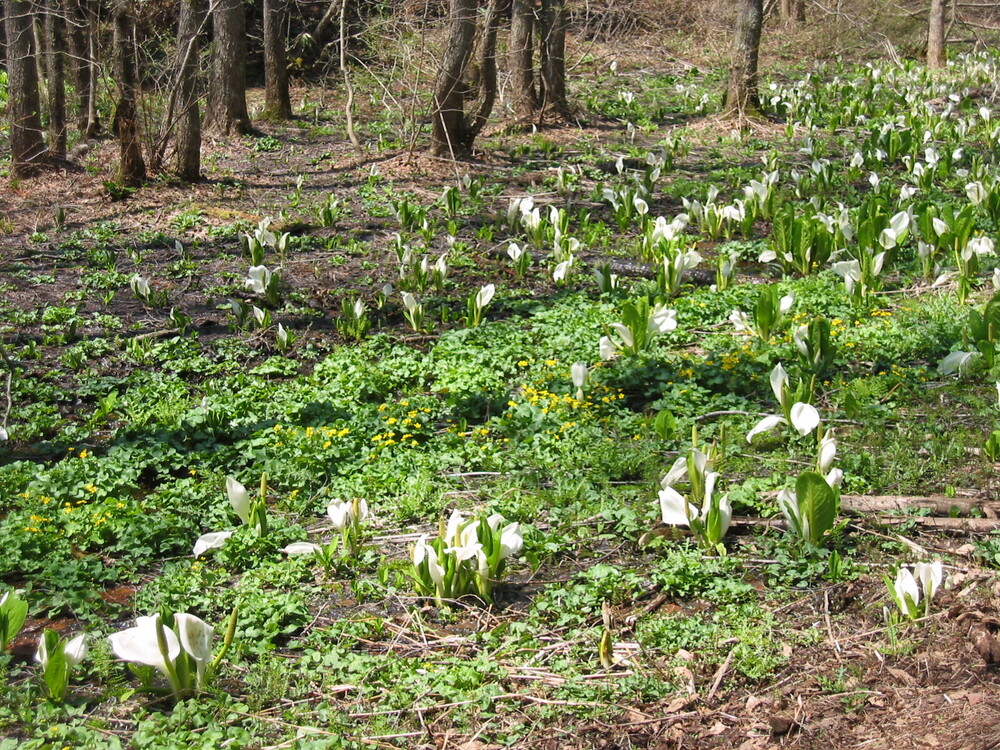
(938, 503)
(955, 524)
(720, 673)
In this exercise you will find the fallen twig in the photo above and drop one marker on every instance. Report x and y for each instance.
(720, 673)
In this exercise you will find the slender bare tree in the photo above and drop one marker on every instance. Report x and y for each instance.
(131, 166)
(27, 142)
(553, 58)
(188, 115)
(82, 52)
(524, 93)
(935, 35)
(448, 134)
(277, 101)
(226, 110)
(742, 98)
(793, 10)
(542, 27)
(55, 68)
(453, 131)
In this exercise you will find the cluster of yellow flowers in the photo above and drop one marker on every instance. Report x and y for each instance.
(531, 361)
(732, 359)
(387, 439)
(37, 520)
(729, 361)
(309, 433)
(401, 430)
(98, 517)
(406, 421)
(548, 402)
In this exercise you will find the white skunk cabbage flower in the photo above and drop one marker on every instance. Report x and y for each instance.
(239, 498)
(210, 541)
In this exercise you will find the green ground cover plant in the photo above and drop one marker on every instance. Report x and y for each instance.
(398, 469)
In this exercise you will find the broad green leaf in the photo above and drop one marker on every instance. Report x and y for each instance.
(56, 674)
(605, 649)
(765, 311)
(805, 245)
(13, 613)
(991, 319)
(991, 449)
(866, 234)
(817, 505)
(977, 326)
(781, 233)
(665, 424)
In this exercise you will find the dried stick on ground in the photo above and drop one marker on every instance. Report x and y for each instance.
(937, 503)
(349, 104)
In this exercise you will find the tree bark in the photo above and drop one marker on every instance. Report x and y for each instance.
(82, 52)
(27, 143)
(940, 504)
(55, 27)
(453, 131)
(277, 102)
(553, 57)
(348, 86)
(935, 35)
(349, 22)
(448, 115)
(523, 92)
(742, 98)
(188, 142)
(79, 54)
(41, 49)
(487, 88)
(793, 10)
(131, 167)
(226, 110)
(982, 525)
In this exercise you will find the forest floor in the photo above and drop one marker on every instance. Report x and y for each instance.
(833, 673)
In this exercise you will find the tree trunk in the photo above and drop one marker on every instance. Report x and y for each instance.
(131, 167)
(553, 57)
(487, 83)
(742, 99)
(348, 86)
(82, 52)
(188, 142)
(41, 50)
(448, 115)
(55, 27)
(277, 102)
(793, 11)
(226, 110)
(79, 55)
(523, 92)
(348, 26)
(935, 35)
(453, 132)
(27, 144)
